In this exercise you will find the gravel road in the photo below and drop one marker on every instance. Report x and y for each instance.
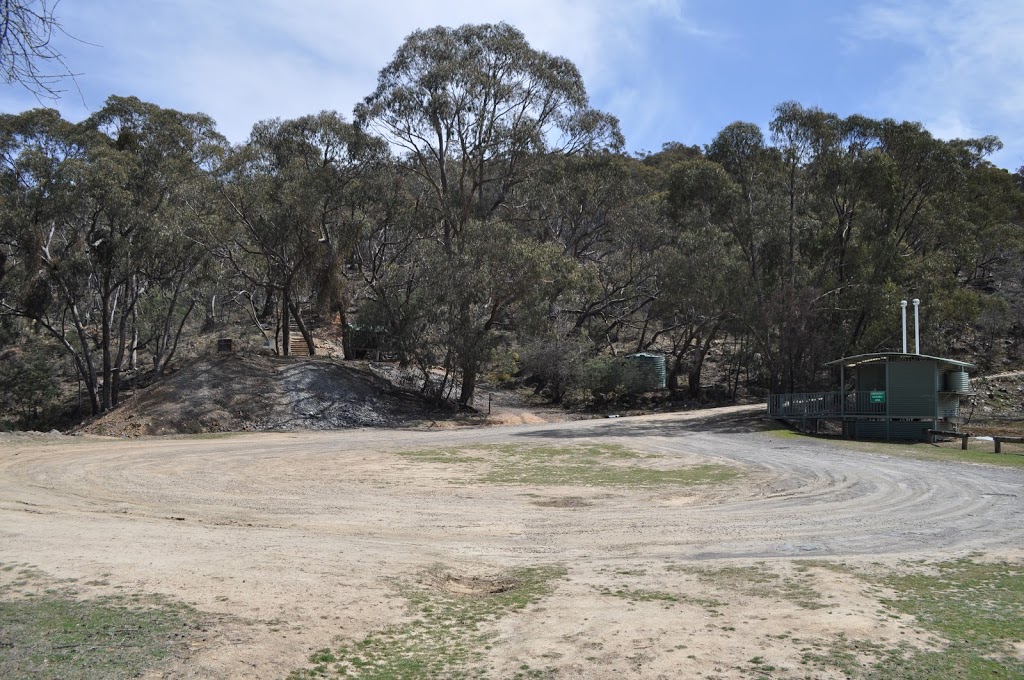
(310, 527)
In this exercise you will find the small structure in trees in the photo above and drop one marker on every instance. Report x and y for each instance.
(648, 370)
(885, 395)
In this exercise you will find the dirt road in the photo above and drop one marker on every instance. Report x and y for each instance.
(306, 533)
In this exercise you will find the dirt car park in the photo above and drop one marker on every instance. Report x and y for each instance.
(699, 545)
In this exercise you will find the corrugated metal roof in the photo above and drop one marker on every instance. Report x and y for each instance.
(896, 356)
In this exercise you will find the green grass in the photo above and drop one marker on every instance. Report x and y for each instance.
(641, 595)
(976, 608)
(54, 635)
(578, 465)
(977, 452)
(450, 456)
(784, 433)
(447, 637)
(759, 581)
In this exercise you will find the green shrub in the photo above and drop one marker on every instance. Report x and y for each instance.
(28, 389)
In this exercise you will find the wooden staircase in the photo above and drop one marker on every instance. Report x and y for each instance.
(297, 346)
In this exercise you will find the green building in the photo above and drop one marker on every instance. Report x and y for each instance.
(888, 395)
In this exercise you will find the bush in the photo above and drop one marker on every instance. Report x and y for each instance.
(504, 368)
(28, 389)
(554, 366)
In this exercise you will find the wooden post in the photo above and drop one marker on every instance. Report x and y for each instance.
(999, 444)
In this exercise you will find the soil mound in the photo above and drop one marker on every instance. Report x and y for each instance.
(239, 392)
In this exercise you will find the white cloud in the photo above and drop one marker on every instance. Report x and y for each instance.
(966, 77)
(243, 62)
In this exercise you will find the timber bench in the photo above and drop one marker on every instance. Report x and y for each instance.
(1009, 440)
(964, 436)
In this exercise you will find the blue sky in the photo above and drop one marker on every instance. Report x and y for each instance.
(671, 70)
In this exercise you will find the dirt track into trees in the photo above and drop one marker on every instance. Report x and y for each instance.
(300, 537)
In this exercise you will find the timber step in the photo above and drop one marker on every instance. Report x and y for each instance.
(297, 346)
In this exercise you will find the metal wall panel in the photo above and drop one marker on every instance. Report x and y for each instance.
(896, 430)
(913, 386)
(870, 377)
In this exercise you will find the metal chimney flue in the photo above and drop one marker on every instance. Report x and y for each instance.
(903, 305)
(917, 328)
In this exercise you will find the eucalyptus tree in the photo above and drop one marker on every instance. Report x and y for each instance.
(473, 111)
(289, 191)
(148, 215)
(599, 211)
(740, 149)
(89, 205)
(43, 263)
(700, 266)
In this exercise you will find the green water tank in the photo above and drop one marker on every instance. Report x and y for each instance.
(652, 367)
(958, 381)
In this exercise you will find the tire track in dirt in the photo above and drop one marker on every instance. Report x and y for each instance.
(309, 527)
(837, 500)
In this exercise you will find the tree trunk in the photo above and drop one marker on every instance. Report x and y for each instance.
(701, 352)
(177, 337)
(162, 342)
(210, 322)
(133, 356)
(268, 303)
(306, 335)
(105, 312)
(468, 386)
(285, 323)
(346, 337)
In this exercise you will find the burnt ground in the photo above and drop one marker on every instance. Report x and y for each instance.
(250, 392)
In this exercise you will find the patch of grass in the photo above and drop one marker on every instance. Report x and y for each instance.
(526, 672)
(977, 608)
(451, 456)
(759, 581)
(446, 637)
(977, 452)
(55, 636)
(580, 465)
(640, 595)
(784, 433)
(760, 668)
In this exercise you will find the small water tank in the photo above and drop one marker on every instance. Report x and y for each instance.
(958, 381)
(653, 367)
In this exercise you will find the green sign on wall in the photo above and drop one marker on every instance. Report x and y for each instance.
(877, 397)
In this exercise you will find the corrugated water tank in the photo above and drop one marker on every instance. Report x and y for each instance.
(653, 368)
(958, 381)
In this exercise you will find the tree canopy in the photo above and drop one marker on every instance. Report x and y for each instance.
(477, 214)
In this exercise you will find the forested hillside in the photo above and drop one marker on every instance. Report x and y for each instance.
(474, 214)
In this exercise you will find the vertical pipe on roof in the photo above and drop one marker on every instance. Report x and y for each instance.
(903, 305)
(917, 330)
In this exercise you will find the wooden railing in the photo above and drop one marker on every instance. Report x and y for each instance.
(825, 404)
